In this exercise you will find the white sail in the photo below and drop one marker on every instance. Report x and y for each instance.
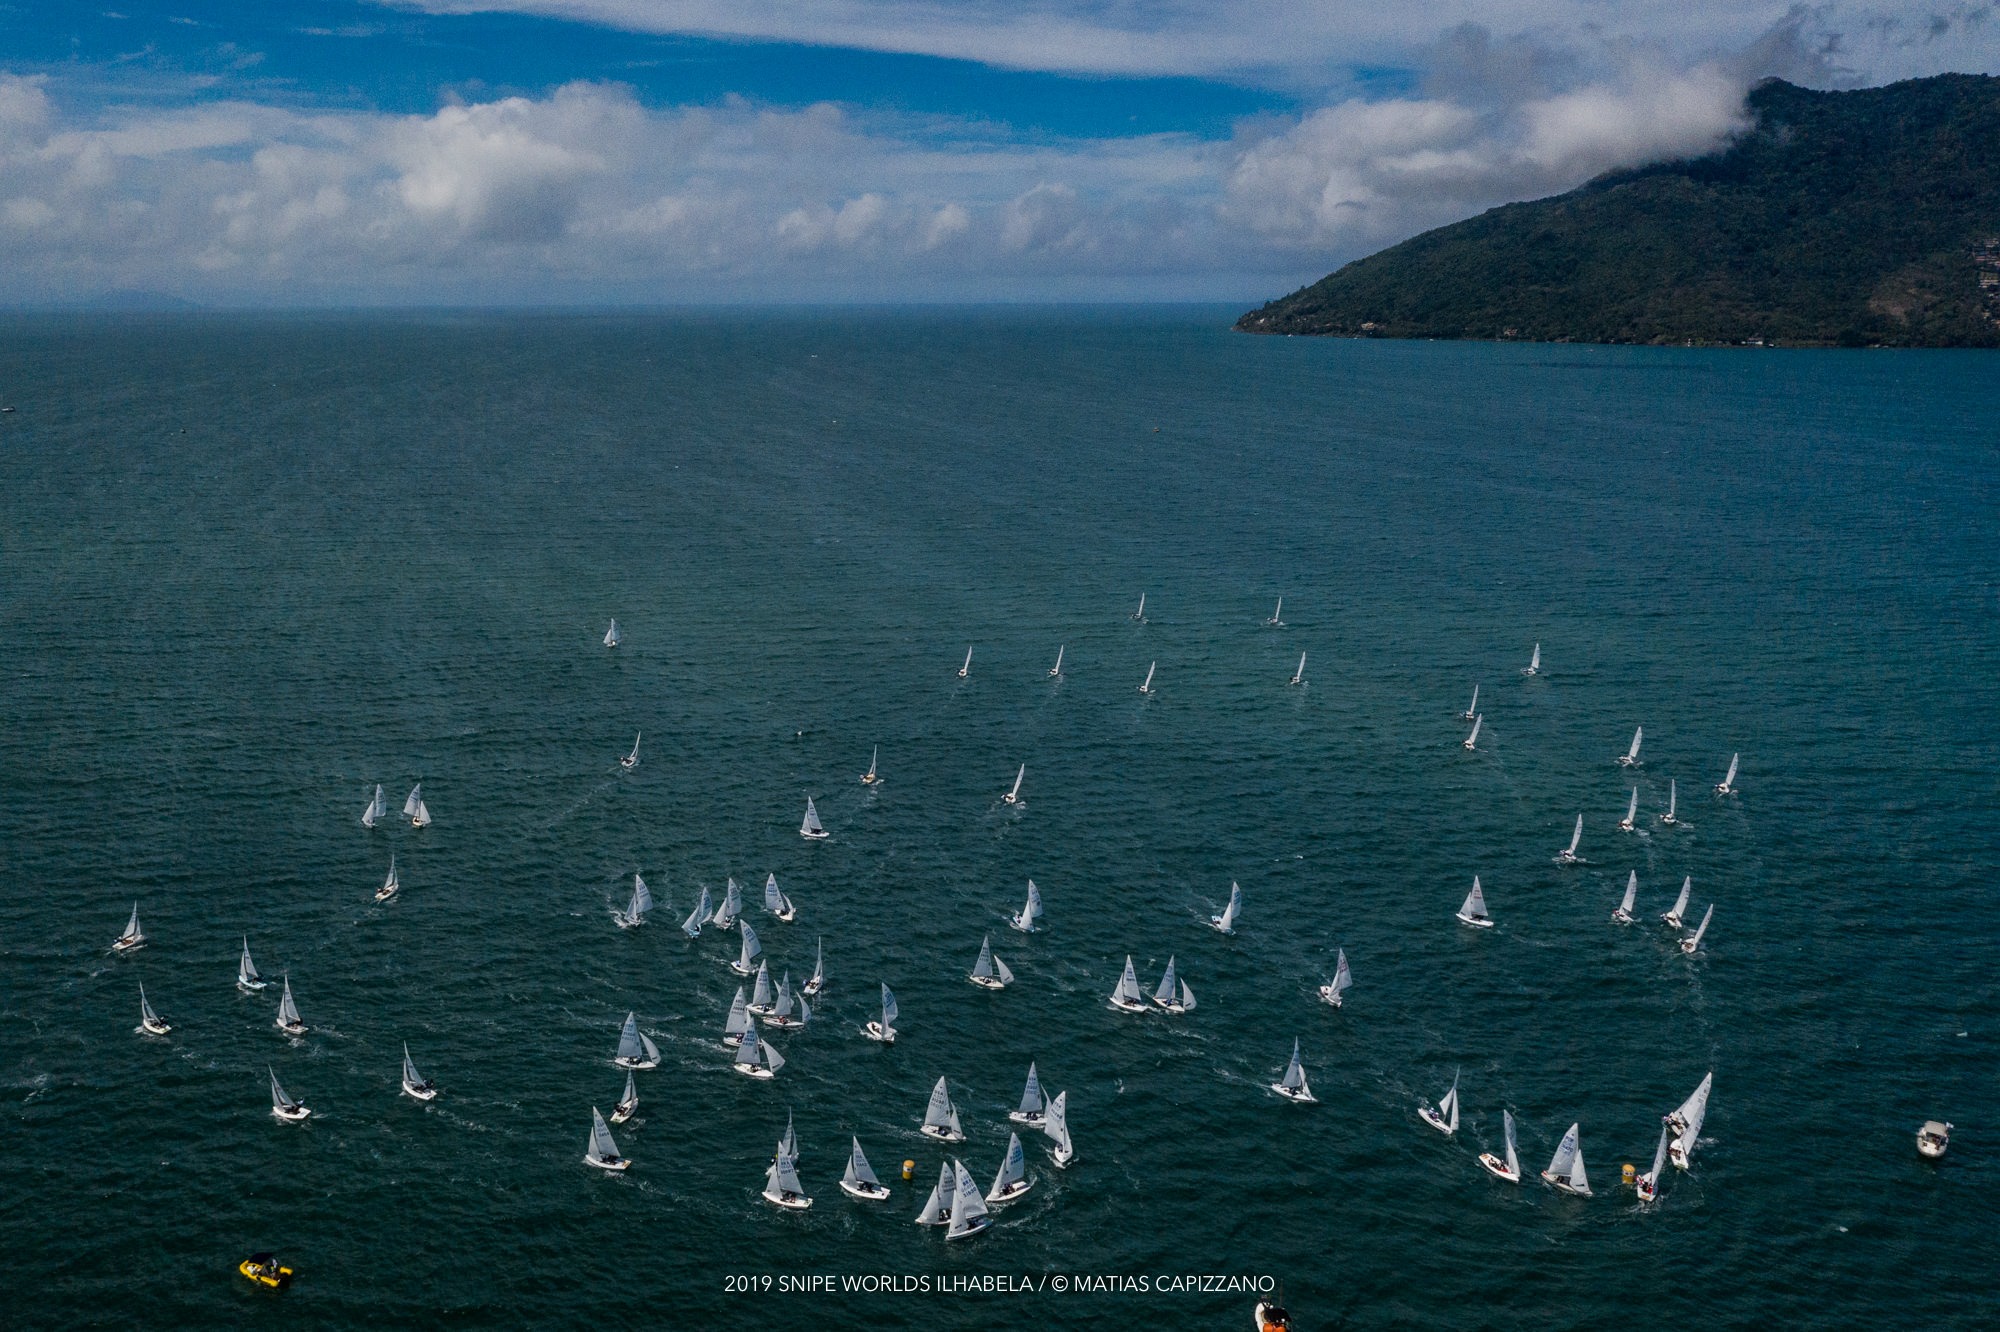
(1031, 911)
(1056, 670)
(731, 908)
(410, 1074)
(1579, 1179)
(1534, 662)
(1563, 1163)
(818, 980)
(628, 1039)
(968, 1209)
(738, 1021)
(810, 825)
(246, 970)
(868, 778)
(1276, 612)
(1472, 741)
(1631, 811)
(788, 1144)
(422, 818)
(1055, 1122)
(982, 967)
(1140, 614)
(1728, 785)
(889, 1010)
(391, 883)
(941, 1114)
(1226, 922)
(751, 950)
(1147, 687)
(774, 901)
(288, 1011)
(1299, 675)
(1472, 708)
(146, 1014)
(1475, 903)
(1164, 993)
(1688, 1121)
(1343, 979)
(631, 760)
(1013, 1170)
(937, 1207)
(1673, 916)
(416, 798)
(602, 1148)
(1673, 798)
(1448, 1107)
(1631, 893)
(377, 807)
(1693, 941)
(966, 669)
(611, 639)
(1507, 1129)
(642, 899)
(1576, 837)
(1295, 1072)
(1031, 1095)
(1014, 795)
(1632, 754)
(1187, 998)
(786, 1004)
(1659, 1157)
(858, 1170)
(760, 995)
(132, 932)
(1127, 990)
(279, 1100)
(698, 917)
(1001, 972)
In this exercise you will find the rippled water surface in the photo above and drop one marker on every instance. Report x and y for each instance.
(252, 567)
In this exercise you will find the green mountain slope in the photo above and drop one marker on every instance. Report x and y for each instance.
(1841, 218)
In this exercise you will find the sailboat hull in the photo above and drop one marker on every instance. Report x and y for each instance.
(124, 945)
(1329, 996)
(1296, 1095)
(1220, 926)
(1678, 1155)
(384, 894)
(1476, 922)
(1498, 1168)
(1025, 927)
(613, 1163)
(810, 835)
(1437, 1121)
(1568, 858)
(875, 1031)
(250, 986)
(1002, 1197)
(783, 1023)
(422, 1091)
(988, 982)
(1032, 1118)
(1063, 1158)
(941, 1133)
(865, 1192)
(977, 1226)
(154, 1027)
(1562, 1184)
(757, 1071)
(742, 970)
(812, 988)
(629, 1061)
(296, 1114)
(628, 762)
(1127, 1005)
(291, 1028)
(1622, 916)
(1646, 1189)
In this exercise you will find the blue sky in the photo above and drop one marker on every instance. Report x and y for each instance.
(331, 152)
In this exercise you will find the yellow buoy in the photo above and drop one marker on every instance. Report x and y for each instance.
(909, 1170)
(1631, 1172)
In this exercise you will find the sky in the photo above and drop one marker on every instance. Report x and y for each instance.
(581, 152)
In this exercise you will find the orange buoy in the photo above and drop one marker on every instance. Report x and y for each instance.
(1631, 1173)
(909, 1170)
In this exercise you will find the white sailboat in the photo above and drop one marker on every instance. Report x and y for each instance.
(817, 983)
(1343, 980)
(1534, 666)
(1727, 786)
(858, 1181)
(1565, 1170)
(631, 760)
(634, 914)
(937, 1207)
(1140, 614)
(1680, 906)
(410, 802)
(941, 1116)
(762, 997)
(1473, 913)
(1647, 1186)
(809, 827)
(1172, 993)
(416, 1084)
(602, 1151)
(1127, 997)
(1673, 802)
(288, 1014)
(1471, 712)
(1510, 1168)
(1274, 622)
(782, 1186)
(1226, 922)
(149, 1021)
(966, 669)
(133, 937)
(988, 971)
(1623, 913)
(283, 1106)
(422, 818)
(747, 957)
(376, 808)
(731, 909)
(1146, 685)
(611, 638)
(1934, 1139)
(1472, 741)
(391, 884)
(1444, 1115)
(883, 1031)
(1055, 671)
(1013, 797)
(1055, 1126)
(1293, 1086)
(1012, 1182)
(248, 978)
(870, 777)
(1299, 675)
(790, 1012)
(1032, 1110)
(635, 1048)
(1630, 758)
(757, 1058)
(776, 902)
(1693, 942)
(698, 917)
(628, 1102)
(968, 1209)
(738, 1023)
(1028, 919)
(1631, 813)
(1568, 855)
(1685, 1124)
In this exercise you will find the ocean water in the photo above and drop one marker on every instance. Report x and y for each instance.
(250, 567)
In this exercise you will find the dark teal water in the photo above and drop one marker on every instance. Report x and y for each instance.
(253, 566)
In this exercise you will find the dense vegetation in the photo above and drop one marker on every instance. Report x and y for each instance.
(1846, 218)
